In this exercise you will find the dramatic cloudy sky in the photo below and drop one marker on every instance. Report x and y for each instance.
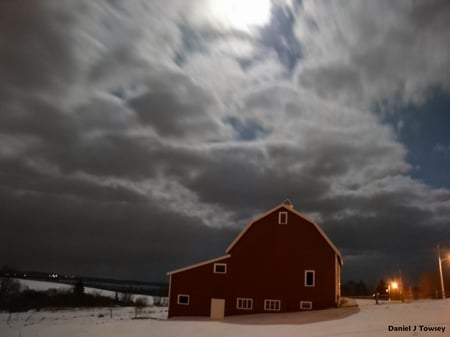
(140, 136)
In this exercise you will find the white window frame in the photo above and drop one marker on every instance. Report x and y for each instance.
(272, 305)
(220, 264)
(314, 277)
(183, 295)
(243, 303)
(307, 307)
(280, 217)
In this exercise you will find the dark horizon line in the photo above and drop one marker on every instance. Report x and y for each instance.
(45, 275)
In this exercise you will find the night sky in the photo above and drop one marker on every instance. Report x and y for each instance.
(139, 136)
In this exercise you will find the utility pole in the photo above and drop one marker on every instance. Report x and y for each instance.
(440, 272)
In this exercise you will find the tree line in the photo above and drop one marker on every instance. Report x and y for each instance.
(427, 287)
(15, 298)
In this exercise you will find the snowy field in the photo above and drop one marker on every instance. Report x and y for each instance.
(368, 320)
(43, 286)
(416, 318)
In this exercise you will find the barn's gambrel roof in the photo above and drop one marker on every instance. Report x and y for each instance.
(288, 206)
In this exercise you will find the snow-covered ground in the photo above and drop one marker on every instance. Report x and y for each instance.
(370, 320)
(43, 286)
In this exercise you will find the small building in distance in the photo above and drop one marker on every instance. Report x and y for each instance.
(281, 262)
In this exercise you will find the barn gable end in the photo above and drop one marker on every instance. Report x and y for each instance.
(287, 208)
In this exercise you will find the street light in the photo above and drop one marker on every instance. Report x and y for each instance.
(440, 259)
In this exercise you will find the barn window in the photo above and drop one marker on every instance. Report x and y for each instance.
(282, 218)
(272, 305)
(310, 278)
(305, 305)
(244, 303)
(183, 299)
(220, 268)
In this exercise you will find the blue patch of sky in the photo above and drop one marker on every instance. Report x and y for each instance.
(118, 92)
(246, 130)
(192, 42)
(246, 62)
(425, 131)
(279, 35)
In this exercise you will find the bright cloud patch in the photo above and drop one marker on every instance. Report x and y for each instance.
(241, 14)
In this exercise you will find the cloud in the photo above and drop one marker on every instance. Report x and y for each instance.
(366, 52)
(102, 238)
(174, 106)
(135, 138)
(441, 149)
(36, 54)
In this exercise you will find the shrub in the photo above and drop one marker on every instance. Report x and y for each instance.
(140, 303)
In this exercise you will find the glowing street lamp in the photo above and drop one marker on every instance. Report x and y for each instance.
(393, 290)
(440, 259)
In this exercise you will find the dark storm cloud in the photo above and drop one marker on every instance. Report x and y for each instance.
(242, 184)
(36, 117)
(60, 206)
(176, 107)
(77, 235)
(120, 57)
(332, 81)
(389, 216)
(37, 48)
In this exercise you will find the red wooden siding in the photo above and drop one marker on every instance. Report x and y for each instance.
(201, 284)
(267, 262)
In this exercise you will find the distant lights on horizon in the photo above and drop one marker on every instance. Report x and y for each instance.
(55, 276)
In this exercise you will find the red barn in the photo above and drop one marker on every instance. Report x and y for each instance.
(281, 262)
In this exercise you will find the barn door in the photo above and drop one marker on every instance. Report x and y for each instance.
(217, 308)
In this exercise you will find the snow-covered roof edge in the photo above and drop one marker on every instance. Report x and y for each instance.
(199, 264)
